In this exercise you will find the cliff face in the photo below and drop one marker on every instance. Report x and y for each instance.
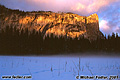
(68, 24)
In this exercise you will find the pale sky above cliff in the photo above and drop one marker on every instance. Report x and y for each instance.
(107, 10)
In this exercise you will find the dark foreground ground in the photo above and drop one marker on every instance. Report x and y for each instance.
(109, 54)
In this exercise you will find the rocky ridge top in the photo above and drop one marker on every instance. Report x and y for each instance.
(66, 24)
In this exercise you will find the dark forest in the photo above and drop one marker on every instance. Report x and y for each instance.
(22, 42)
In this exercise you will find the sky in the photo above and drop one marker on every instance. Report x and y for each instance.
(107, 10)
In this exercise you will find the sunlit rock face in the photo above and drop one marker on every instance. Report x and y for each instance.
(65, 24)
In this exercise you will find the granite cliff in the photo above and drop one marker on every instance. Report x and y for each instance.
(66, 24)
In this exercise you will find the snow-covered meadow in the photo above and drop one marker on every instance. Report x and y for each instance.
(58, 67)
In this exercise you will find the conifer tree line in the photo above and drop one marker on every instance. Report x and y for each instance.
(20, 42)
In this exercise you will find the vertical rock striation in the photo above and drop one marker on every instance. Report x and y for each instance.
(49, 22)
